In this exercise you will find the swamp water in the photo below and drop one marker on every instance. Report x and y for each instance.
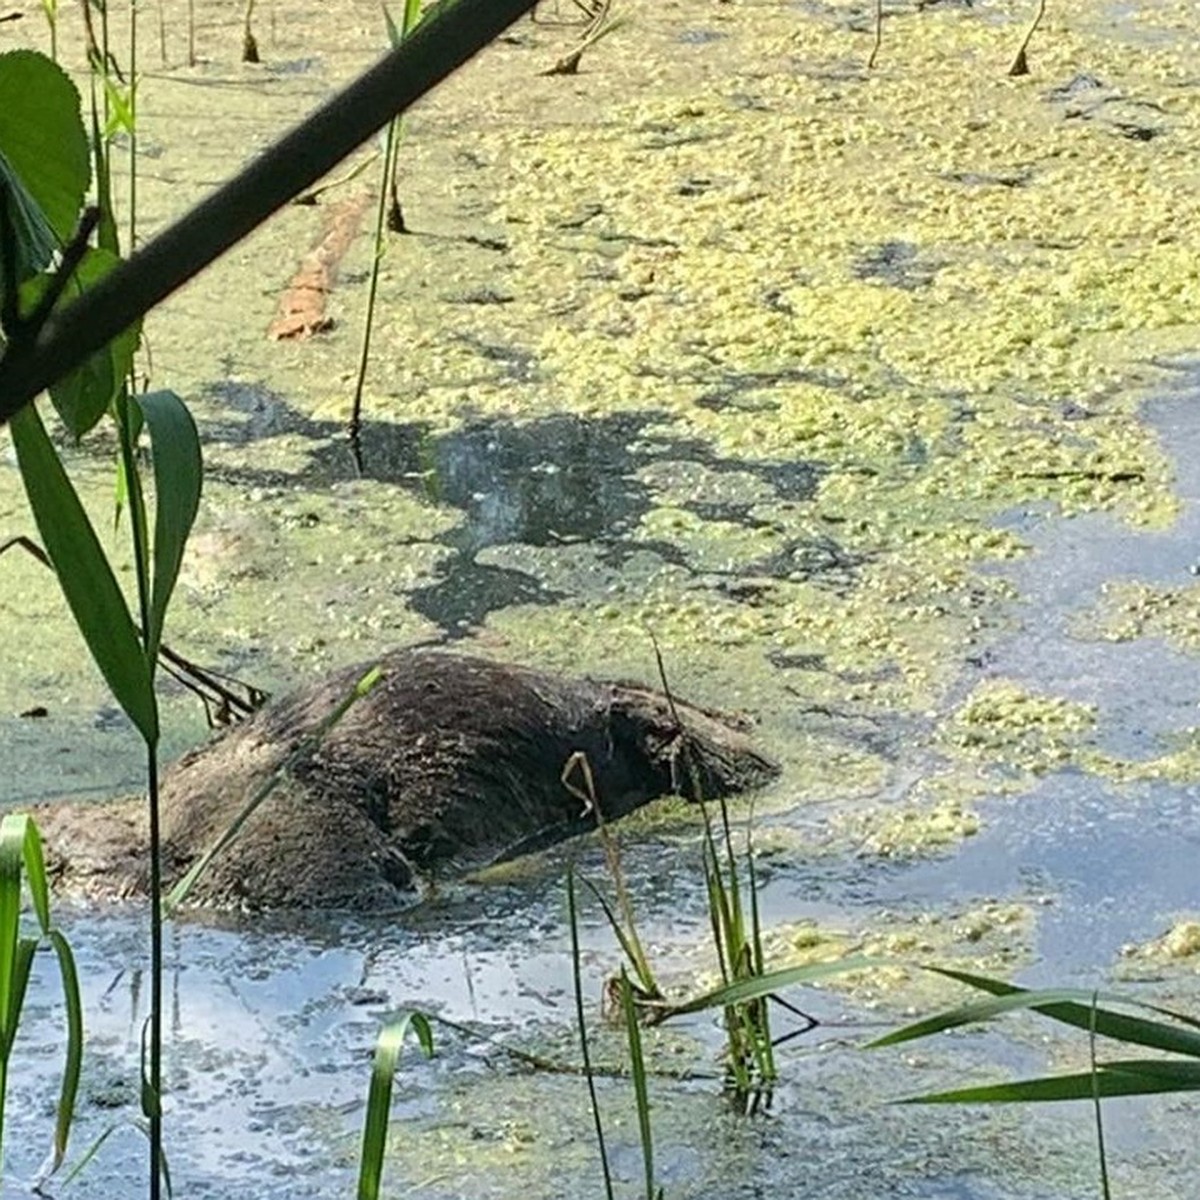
(840, 392)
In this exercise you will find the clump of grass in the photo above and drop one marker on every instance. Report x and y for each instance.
(737, 937)
(21, 847)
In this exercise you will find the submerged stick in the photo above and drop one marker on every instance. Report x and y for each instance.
(1020, 65)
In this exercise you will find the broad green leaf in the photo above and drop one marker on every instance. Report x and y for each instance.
(178, 474)
(42, 136)
(379, 1097)
(82, 397)
(87, 580)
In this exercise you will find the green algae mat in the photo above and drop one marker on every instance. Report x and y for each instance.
(728, 340)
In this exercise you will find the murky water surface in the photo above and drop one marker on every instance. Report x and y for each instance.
(882, 416)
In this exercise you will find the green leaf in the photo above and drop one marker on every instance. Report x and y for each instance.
(35, 871)
(178, 475)
(120, 107)
(774, 981)
(637, 1066)
(12, 855)
(379, 1096)
(19, 981)
(394, 34)
(87, 580)
(82, 397)
(91, 1152)
(42, 136)
(1131, 1077)
(33, 240)
(1070, 1006)
(412, 16)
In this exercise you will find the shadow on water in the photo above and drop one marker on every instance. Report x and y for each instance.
(552, 481)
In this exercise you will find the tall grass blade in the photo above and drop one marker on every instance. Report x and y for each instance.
(73, 1067)
(1125, 1077)
(631, 945)
(379, 1097)
(773, 981)
(91, 1152)
(637, 1066)
(1066, 1005)
(1096, 1107)
(581, 1022)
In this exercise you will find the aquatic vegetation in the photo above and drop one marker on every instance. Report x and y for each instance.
(1164, 1031)
(1178, 946)
(910, 830)
(20, 847)
(1133, 609)
(1004, 723)
(383, 1072)
(949, 311)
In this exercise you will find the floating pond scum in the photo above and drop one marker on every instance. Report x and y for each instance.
(871, 394)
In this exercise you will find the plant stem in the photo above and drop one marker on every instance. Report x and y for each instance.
(581, 1021)
(141, 558)
(132, 125)
(440, 44)
(3, 1098)
(156, 977)
(354, 429)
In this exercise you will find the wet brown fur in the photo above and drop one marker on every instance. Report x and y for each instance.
(448, 763)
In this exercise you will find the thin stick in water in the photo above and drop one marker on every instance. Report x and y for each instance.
(1020, 65)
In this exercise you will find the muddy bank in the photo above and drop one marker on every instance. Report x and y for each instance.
(448, 763)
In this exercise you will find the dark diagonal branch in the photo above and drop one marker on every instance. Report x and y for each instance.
(441, 44)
